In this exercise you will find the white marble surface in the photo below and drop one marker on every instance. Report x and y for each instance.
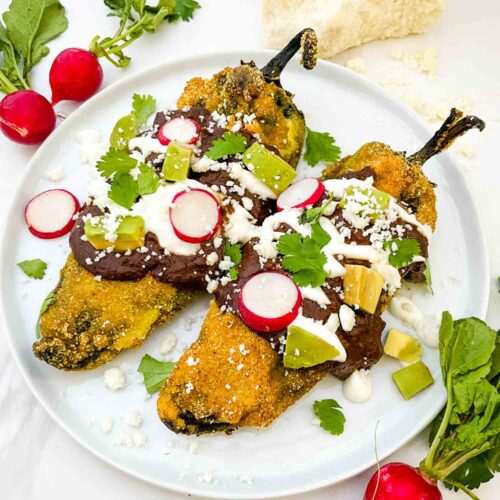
(37, 459)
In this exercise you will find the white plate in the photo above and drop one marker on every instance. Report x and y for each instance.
(292, 455)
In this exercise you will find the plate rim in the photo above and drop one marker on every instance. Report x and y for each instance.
(196, 60)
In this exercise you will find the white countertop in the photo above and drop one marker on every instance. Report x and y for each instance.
(37, 459)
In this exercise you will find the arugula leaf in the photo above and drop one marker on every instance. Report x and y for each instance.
(30, 25)
(320, 147)
(312, 215)
(143, 107)
(230, 144)
(330, 417)
(155, 372)
(124, 190)
(304, 258)
(402, 251)
(115, 161)
(33, 268)
(147, 180)
(184, 9)
(48, 301)
(465, 437)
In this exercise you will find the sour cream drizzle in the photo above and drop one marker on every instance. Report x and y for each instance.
(424, 326)
(358, 387)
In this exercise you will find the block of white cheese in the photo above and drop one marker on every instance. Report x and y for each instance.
(341, 24)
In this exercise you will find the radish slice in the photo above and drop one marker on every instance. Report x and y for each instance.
(183, 130)
(301, 194)
(269, 301)
(50, 214)
(195, 215)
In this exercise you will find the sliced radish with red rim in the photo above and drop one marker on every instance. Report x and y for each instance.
(183, 130)
(303, 193)
(195, 215)
(269, 301)
(51, 214)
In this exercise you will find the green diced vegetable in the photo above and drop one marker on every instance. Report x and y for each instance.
(176, 163)
(413, 379)
(268, 167)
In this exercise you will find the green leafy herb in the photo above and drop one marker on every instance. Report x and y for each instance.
(33, 268)
(29, 26)
(330, 417)
(143, 107)
(320, 147)
(137, 17)
(127, 127)
(303, 256)
(155, 372)
(124, 190)
(402, 251)
(234, 253)
(115, 161)
(230, 144)
(312, 215)
(147, 180)
(45, 305)
(465, 437)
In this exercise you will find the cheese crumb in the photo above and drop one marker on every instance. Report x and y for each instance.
(357, 64)
(55, 174)
(168, 343)
(114, 379)
(133, 419)
(347, 318)
(106, 424)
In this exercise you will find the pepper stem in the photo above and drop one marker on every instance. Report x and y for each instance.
(305, 40)
(453, 127)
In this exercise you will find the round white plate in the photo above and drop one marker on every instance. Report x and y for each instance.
(292, 455)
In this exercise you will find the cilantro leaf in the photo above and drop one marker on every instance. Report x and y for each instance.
(320, 147)
(147, 180)
(124, 190)
(304, 258)
(143, 107)
(155, 372)
(184, 10)
(319, 235)
(234, 253)
(330, 417)
(230, 144)
(312, 215)
(115, 161)
(402, 251)
(33, 268)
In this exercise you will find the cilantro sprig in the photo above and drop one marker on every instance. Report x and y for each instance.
(34, 268)
(312, 215)
(137, 17)
(402, 251)
(125, 189)
(155, 372)
(320, 147)
(234, 253)
(330, 417)
(303, 256)
(127, 127)
(230, 144)
(465, 437)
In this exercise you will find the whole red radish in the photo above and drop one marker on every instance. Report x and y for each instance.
(398, 481)
(26, 117)
(75, 75)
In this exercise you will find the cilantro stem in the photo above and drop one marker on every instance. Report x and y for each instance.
(462, 487)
